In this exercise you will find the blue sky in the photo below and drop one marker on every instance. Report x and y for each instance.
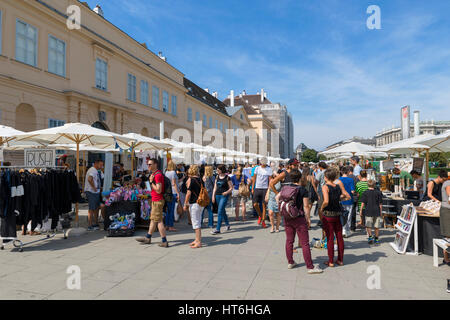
(338, 78)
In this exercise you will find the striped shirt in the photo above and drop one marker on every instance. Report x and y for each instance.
(361, 187)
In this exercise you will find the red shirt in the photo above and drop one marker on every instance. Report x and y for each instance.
(158, 178)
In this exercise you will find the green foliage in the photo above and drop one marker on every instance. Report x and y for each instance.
(309, 155)
(441, 157)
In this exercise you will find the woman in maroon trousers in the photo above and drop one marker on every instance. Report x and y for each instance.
(333, 193)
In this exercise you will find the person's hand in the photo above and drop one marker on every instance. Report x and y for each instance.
(214, 200)
(186, 207)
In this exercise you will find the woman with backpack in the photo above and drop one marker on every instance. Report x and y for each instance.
(294, 207)
(194, 186)
(208, 180)
(221, 193)
(333, 193)
(239, 195)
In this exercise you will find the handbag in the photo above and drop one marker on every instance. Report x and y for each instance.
(203, 197)
(244, 191)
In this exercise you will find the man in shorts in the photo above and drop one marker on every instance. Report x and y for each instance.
(92, 187)
(260, 184)
(156, 217)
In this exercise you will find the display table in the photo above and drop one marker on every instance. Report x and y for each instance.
(393, 207)
(429, 228)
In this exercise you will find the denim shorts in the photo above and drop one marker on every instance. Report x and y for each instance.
(93, 200)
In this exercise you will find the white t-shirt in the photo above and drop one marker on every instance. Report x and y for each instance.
(262, 177)
(92, 172)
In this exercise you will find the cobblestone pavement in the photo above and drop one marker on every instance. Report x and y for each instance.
(245, 263)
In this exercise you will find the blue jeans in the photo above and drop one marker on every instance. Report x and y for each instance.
(170, 216)
(221, 204)
(210, 215)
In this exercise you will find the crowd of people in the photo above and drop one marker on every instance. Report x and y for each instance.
(345, 199)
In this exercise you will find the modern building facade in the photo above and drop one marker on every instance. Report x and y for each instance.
(394, 134)
(275, 113)
(98, 75)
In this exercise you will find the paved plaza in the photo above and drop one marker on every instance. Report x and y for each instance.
(245, 263)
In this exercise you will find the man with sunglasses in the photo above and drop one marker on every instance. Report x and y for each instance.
(156, 180)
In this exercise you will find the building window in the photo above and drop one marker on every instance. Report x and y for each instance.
(165, 101)
(144, 92)
(155, 97)
(131, 92)
(217, 124)
(56, 56)
(242, 116)
(174, 105)
(210, 122)
(221, 126)
(0, 32)
(53, 123)
(101, 74)
(26, 43)
(197, 116)
(205, 123)
(189, 114)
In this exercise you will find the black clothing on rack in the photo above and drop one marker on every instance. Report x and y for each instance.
(35, 197)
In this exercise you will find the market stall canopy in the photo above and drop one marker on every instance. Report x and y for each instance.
(76, 133)
(407, 146)
(437, 143)
(140, 142)
(8, 138)
(72, 147)
(352, 147)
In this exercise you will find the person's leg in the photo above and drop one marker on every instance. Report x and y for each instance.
(340, 241)
(377, 232)
(272, 223)
(225, 216)
(219, 212)
(264, 214)
(278, 215)
(353, 217)
(210, 215)
(237, 203)
(369, 231)
(349, 219)
(330, 238)
(303, 235)
(290, 235)
(90, 217)
(244, 209)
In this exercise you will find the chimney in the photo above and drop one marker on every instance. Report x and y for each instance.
(215, 94)
(262, 95)
(416, 123)
(207, 90)
(244, 93)
(232, 98)
(98, 10)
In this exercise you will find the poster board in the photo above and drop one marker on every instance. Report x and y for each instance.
(406, 222)
(35, 158)
(387, 165)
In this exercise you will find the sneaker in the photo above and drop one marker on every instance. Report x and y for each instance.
(370, 240)
(316, 270)
(91, 228)
(96, 227)
(291, 265)
(215, 231)
(263, 225)
(377, 241)
(164, 244)
(228, 228)
(259, 220)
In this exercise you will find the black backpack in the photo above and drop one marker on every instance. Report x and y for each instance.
(167, 194)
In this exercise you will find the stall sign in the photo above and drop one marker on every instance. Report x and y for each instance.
(40, 158)
(406, 222)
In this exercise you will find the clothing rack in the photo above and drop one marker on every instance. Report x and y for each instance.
(49, 235)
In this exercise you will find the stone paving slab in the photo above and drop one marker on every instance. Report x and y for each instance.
(247, 263)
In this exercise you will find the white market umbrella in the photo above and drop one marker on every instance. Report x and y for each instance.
(144, 143)
(75, 133)
(352, 147)
(437, 143)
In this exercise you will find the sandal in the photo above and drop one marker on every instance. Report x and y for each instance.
(196, 246)
(327, 263)
(339, 263)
